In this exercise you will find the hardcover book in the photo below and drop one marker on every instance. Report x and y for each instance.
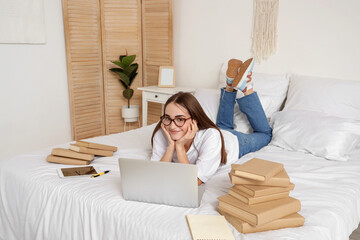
(96, 146)
(260, 213)
(94, 151)
(280, 180)
(62, 152)
(257, 169)
(65, 160)
(293, 220)
(259, 190)
(253, 200)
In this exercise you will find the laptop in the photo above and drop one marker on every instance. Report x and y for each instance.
(160, 182)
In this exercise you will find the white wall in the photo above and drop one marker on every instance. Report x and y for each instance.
(319, 38)
(33, 90)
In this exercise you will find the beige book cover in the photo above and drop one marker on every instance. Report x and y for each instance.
(209, 227)
(257, 169)
(246, 198)
(62, 152)
(261, 213)
(258, 190)
(279, 180)
(65, 160)
(98, 152)
(96, 146)
(293, 220)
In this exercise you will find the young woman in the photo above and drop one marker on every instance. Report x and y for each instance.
(185, 134)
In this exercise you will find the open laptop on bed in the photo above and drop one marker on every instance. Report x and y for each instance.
(160, 182)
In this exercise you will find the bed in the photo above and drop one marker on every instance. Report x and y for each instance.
(36, 204)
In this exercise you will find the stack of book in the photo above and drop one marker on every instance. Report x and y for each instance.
(80, 153)
(259, 200)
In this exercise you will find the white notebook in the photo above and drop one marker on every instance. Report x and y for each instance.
(209, 227)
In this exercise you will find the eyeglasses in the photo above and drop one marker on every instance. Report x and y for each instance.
(179, 121)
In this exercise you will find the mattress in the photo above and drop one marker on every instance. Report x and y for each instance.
(36, 204)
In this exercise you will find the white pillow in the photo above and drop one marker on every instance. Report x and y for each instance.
(209, 99)
(322, 135)
(270, 86)
(335, 97)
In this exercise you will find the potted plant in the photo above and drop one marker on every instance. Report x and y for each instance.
(126, 73)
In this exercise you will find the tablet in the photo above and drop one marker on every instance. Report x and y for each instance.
(77, 171)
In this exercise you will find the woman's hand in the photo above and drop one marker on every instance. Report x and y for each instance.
(170, 141)
(170, 150)
(187, 139)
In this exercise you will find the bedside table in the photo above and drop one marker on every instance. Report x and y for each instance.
(158, 95)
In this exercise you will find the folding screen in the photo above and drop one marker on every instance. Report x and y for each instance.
(157, 45)
(97, 32)
(84, 66)
(121, 31)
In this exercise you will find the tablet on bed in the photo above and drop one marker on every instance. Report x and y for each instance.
(77, 171)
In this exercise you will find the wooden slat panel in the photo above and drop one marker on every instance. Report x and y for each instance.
(97, 32)
(84, 65)
(157, 23)
(157, 38)
(154, 112)
(121, 31)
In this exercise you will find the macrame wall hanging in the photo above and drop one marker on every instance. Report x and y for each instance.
(264, 35)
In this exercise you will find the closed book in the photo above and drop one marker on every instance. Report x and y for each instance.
(261, 213)
(65, 160)
(204, 227)
(293, 220)
(98, 152)
(62, 152)
(96, 146)
(258, 190)
(257, 169)
(279, 180)
(254, 200)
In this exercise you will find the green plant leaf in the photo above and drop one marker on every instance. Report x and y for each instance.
(116, 70)
(128, 93)
(120, 64)
(131, 69)
(126, 61)
(131, 78)
(121, 57)
(134, 66)
(124, 84)
(133, 74)
(124, 77)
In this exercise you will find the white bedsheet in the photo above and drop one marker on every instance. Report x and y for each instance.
(36, 204)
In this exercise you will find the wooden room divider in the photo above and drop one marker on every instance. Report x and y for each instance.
(98, 32)
(157, 45)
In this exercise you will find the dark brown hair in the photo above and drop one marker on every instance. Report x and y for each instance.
(191, 104)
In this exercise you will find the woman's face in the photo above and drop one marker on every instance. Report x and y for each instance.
(175, 111)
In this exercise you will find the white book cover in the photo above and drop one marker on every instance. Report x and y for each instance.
(209, 227)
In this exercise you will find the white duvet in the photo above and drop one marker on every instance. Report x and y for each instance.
(36, 204)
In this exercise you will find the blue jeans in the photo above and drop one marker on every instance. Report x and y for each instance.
(250, 105)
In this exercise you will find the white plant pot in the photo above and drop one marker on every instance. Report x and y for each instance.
(130, 114)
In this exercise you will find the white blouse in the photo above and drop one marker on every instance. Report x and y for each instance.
(205, 151)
